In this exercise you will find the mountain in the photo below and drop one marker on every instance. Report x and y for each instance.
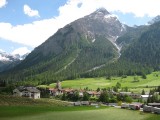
(95, 45)
(146, 49)
(139, 53)
(132, 34)
(81, 46)
(154, 20)
(8, 61)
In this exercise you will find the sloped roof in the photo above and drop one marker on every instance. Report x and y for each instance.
(30, 89)
(146, 96)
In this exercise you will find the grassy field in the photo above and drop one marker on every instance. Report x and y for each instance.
(68, 113)
(17, 108)
(93, 83)
(21, 110)
(6, 100)
(12, 107)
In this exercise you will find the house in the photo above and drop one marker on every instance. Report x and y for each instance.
(93, 93)
(125, 93)
(133, 95)
(30, 92)
(154, 105)
(55, 92)
(134, 106)
(145, 97)
(147, 108)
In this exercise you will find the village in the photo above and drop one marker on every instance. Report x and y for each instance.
(81, 97)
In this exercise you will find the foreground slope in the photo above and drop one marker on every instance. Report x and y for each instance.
(97, 114)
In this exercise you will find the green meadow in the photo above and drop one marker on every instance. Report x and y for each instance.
(72, 113)
(93, 83)
(17, 108)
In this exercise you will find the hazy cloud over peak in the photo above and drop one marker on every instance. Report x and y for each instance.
(30, 12)
(3, 3)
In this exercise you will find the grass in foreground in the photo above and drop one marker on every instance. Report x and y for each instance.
(11, 106)
(17, 108)
(83, 114)
(7, 100)
(26, 111)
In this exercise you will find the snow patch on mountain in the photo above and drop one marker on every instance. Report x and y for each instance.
(6, 57)
(93, 40)
(110, 16)
(3, 58)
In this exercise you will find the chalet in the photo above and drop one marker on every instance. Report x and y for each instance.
(113, 93)
(125, 105)
(134, 106)
(30, 92)
(154, 105)
(93, 93)
(133, 95)
(152, 108)
(147, 108)
(55, 92)
(156, 110)
(145, 97)
(125, 93)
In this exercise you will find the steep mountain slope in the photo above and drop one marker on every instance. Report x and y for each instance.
(140, 48)
(80, 46)
(132, 34)
(146, 49)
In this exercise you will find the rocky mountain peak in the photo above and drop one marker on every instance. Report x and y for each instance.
(154, 20)
(9, 57)
(102, 11)
(99, 13)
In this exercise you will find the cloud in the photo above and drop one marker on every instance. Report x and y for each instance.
(3, 3)
(35, 33)
(21, 51)
(31, 13)
(2, 50)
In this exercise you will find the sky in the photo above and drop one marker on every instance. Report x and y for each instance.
(25, 24)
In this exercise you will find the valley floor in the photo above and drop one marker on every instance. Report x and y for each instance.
(150, 82)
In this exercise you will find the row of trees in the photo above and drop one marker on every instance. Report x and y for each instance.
(104, 97)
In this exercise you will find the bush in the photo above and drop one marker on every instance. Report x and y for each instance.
(124, 76)
(119, 103)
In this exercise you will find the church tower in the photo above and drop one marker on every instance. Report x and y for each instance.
(58, 85)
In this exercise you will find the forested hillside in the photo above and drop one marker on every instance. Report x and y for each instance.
(79, 47)
(146, 49)
(95, 45)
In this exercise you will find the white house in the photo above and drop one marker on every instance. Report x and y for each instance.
(30, 92)
(145, 97)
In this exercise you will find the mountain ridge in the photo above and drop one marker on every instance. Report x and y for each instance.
(78, 47)
(92, 46)
(8, 61)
